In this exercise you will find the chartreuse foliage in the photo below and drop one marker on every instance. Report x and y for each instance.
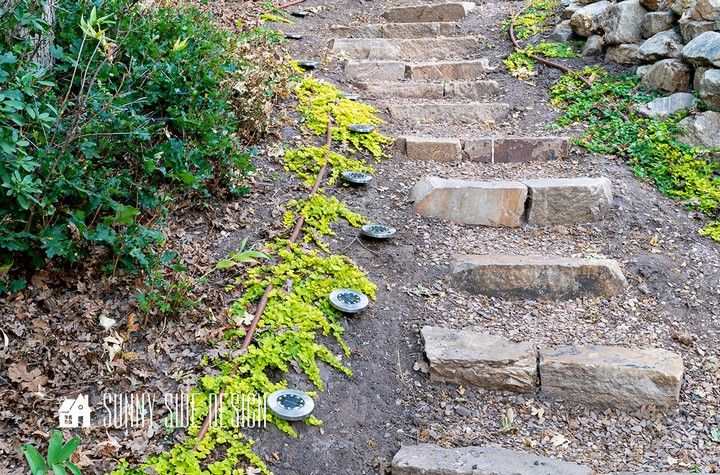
(306, 163)
(534, 19)
(648, 145)
(317, 99)
(521, 65)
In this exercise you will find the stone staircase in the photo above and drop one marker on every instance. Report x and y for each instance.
(426, 76)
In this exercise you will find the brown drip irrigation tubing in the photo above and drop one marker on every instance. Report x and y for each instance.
(266, 295)
(542, 60)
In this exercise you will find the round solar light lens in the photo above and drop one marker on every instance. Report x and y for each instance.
(299, 13)
(293, 36)
(350, 96)
(361, 128)
(348, 300)
(356, 178)
(307, 64)
(290, 404)
(377, 231)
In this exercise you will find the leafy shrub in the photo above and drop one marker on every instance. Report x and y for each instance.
(140, 107)
(521, 65)
(534, 19)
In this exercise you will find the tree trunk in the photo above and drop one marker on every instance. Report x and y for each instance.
(44, 43)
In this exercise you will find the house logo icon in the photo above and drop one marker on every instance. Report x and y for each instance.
(72, 410)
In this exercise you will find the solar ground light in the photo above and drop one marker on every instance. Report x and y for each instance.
(377, 231)
(361, 128)
(293, 36)
(300, 13)
(356, 178)
(290, 404)
(307, 63)
(350, 96)
(348, 300)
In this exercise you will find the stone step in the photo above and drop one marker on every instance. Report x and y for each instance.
(550, 201)
(473, 90)
(537, 277)
(496, 203)
(375, 70)
(612, 376)
(486, 149)
(480, 359)
(405, 49)
(442, 12)
(475, 113)
(429, 459)
(470, 69)
(397, 30)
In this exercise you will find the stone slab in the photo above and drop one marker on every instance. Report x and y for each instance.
(433, 148)
(471, 113)
(440, 12)
(397, 30)
(612, 376)
(512, 277)
(480, 359)
(375, 70)
(404, 89)
(516, 149)
(449, 70)
(405, 49)
(568, 200)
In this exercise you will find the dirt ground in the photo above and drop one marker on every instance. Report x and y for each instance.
(674, 288)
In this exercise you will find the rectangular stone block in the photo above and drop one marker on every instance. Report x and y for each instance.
(475, 113)
(405, 49)
(375, 70)
(472, 89)
(404, 89)
(429, 459)
(525, 149)
(453, 11)
(612, 376)
(512, 277)
(478, 150)
(480, 359)
(433, 148)
(568, 200)
(449, 70)
(397, 30)
(497, 203)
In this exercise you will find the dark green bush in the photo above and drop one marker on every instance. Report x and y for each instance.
(136, 110)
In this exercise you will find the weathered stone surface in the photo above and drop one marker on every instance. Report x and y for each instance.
(397, 30)
(622, 21)
(697, 77)
(587, 20)
(655, 22)
(441, 12)
(480, 359)
(433, 148)
(496, 203)
(664, 106)
(593, 46)
(570, 10)
(446, 112)
(691, 29)
(537, 277)
(701, 130)
(703, 50)
(612, 376)
(428, 459)
(449, 70)
(622, 54)
(666, 44)
(668, 75)
(405, 89)
(515, 149)
(707, 10)
(568, 200)
(375, 70)
(472, 89)
(679, 6)
(405, 49)
(642, 70)
(653, 5)
(710, 89)
(562, 33)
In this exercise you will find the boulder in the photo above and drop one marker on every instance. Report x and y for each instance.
(668, 75)
(665, 106)
(710, 89)
(622, 22)
(612, 376)
(699, 72)
(655, 22)
(691, 29)
(679, 6)
(587, 20)
(653, 5)
(562, 33)
(703, 50)
(570, 9)
(567, 200)
(496, 203)
(480, 359)
(429, 459)
(622, 54)
(666, 44)
(593, 46)
(512, 277)
(707, 10)
(701, 130)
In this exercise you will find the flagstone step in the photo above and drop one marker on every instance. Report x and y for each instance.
(480, 359)
(439, 12)
(612, 376)
(375, 70)
(429, 459)
(485, 149)
(405, 49)
(511, 277)
(475, 113)
(397, 30)
(470, 69)
(546, 201)
(473, 90)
